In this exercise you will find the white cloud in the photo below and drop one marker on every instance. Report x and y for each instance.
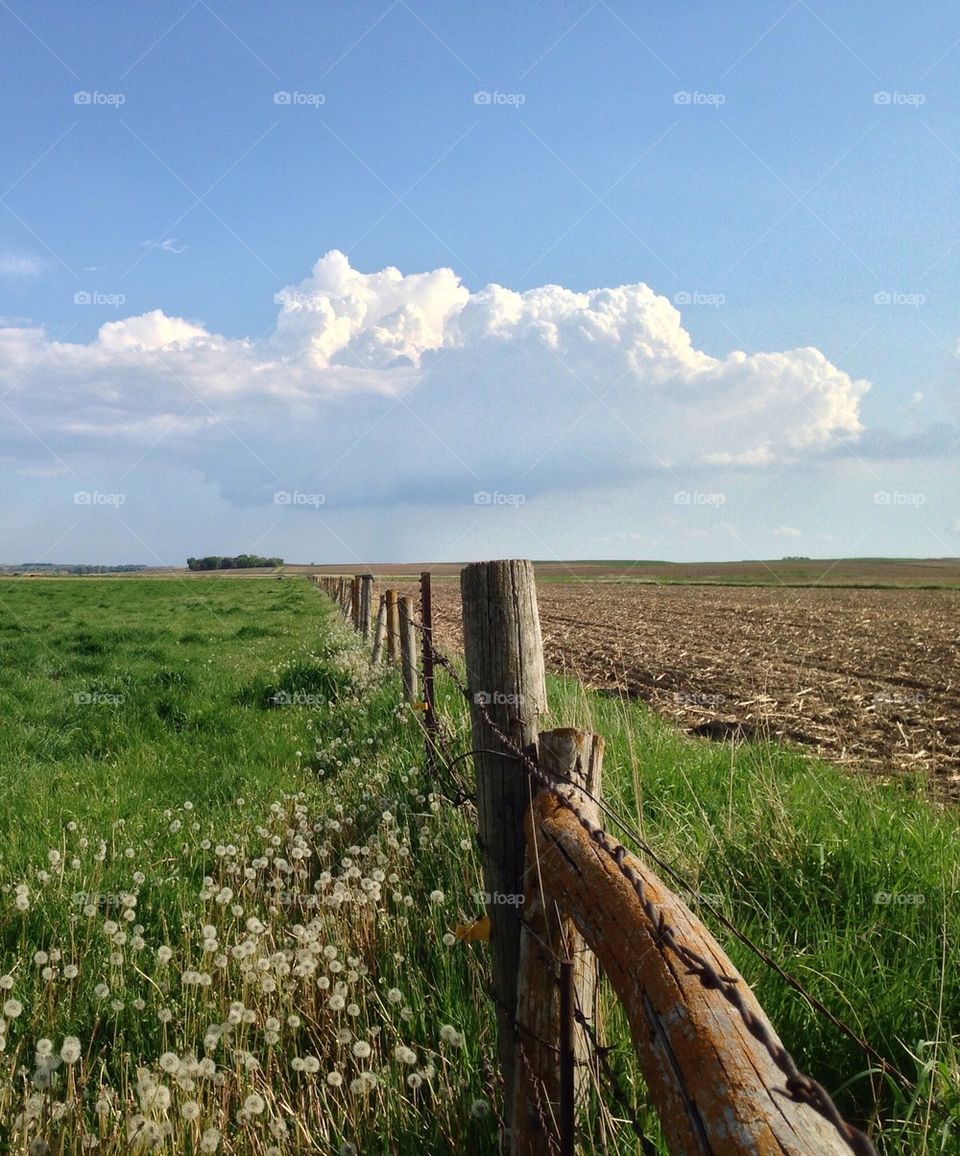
(409, 387)
(20, 266)
(787, 532)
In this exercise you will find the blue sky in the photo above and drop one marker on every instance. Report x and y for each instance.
(724, 240)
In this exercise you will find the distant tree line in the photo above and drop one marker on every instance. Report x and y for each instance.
(240, 562)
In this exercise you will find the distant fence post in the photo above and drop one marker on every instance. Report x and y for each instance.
(366, 600)
(408, 649)
(393, 627)
(505, 677)
(355, 584)
(426, 625)
(549, 1078)
(379, 630)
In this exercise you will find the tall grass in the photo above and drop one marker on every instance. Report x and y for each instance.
(228, 893)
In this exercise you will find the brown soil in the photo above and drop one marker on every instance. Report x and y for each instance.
(867, 678)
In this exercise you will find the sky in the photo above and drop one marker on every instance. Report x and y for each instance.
(421, 281)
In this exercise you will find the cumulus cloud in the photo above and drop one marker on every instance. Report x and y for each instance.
(410, 388)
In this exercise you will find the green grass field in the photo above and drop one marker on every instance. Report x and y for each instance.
(227, 891)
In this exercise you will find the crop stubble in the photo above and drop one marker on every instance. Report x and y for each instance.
(867, 678)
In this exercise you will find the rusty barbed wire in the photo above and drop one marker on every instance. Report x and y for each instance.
(799, 1087)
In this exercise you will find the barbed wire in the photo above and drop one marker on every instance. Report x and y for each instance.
(799, 1087)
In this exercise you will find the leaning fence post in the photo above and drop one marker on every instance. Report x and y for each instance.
(393, 626)
(549, 1081)
(379, 630)
(718, 1088)
(408, 649)
(505, 676)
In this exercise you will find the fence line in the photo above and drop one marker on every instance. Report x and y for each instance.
(560, 886)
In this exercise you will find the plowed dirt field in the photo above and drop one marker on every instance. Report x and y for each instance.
(867, 678)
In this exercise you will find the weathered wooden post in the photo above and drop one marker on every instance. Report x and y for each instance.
(505, 676)
(548, 1080)
(426, 629)
(366, 603)
(408, 649)
(715, 1086)
(355, 584)
(379, 631)
(393, 627)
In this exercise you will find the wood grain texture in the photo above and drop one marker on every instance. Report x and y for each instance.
(546, 938)
(505, 678)
(716, 1088)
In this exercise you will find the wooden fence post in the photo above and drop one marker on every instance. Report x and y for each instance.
(355, 583)
(548, 1085)
(379, 631)
(408, 649)
(426, 624)
(716, 1088)
(505, 676)
(393, 627)
(366, 603)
